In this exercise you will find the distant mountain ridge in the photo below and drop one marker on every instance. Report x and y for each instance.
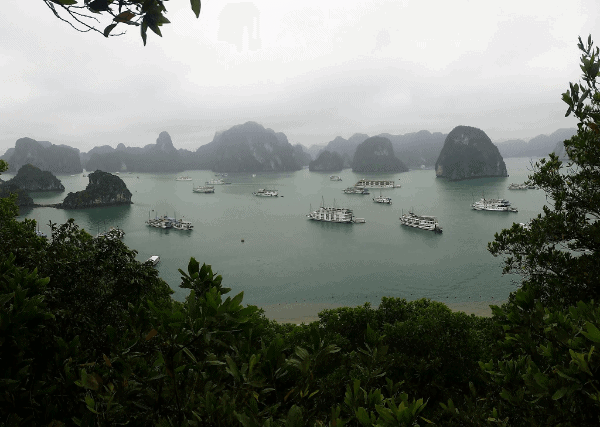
(413, 149)
(60, 159)
(249, 147)
(376, 154)
(538, 146)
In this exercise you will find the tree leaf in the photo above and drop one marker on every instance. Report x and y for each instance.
(99, 5)
(143, 29)
(151, 334)
(196, 7)
(108, 29)
(65, 2)
(559, 393)
(124, 16)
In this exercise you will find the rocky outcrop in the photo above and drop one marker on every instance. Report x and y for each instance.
(31, 178)
(104, 189)
(59, 159)
(159, 157)
(345, 147)
(302, 157)
(376, 154)
(327, 162)
(248, 148)
(23, 198)
(560, 151)
(469, 153)
(417, 149)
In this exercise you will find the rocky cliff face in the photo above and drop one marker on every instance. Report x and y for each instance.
(469, 153)
(376, 154)
(159, 157)
(302, 157)
(31, 178)
(418, 148)
(104, 189)
(560, 151)
(327, 162)
(54, 158)
(248, 148)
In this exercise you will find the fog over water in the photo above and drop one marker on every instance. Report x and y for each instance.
(313, 70)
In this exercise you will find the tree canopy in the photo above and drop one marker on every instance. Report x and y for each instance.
(88, 15)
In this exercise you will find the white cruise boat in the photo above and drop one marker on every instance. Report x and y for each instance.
(266, 193)
(183, 178)
(424, 222)
(499, 205)
(382, 199)
(375, 183)
(517, 187)
(356, 190)
(160, 222)
(335, 178)
(216, 182)
(154, 259)
(204, 189)
(334, 214)
(183, 225)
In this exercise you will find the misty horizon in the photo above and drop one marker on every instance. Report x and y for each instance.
(314, 72)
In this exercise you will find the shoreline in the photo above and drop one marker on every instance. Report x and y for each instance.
(299, 313)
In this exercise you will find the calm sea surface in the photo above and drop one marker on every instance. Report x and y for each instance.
(286, 258)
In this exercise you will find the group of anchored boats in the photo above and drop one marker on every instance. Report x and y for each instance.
(168, 222)
(410, 219)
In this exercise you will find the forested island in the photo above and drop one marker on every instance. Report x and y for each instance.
(103, 189)
(327, 162)
(376, 154)
(32, 178)
(469, 153)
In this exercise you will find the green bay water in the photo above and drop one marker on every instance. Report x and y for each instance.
(286, 258)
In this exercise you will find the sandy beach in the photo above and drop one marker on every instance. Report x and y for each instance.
(299, 313)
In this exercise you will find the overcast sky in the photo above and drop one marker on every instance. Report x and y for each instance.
(313, 69)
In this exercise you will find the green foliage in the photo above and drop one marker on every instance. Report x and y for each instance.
(559, 255)
(549, 374)
(201, 280)
(143, 13)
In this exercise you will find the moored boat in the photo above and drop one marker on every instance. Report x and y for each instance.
(499, 205)
(216, 182)
(424, 222)
(154, 259)
(266, 193)
(335, 178)
(204, 189)
(356, 190)
(517, 186)
(183, 178)
(376, 183)
(334, 214)
(382, 199)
